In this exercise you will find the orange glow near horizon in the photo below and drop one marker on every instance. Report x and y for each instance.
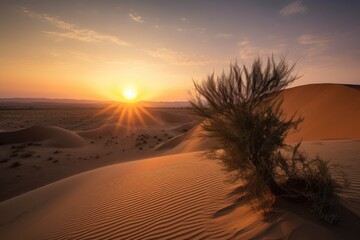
(130, 114)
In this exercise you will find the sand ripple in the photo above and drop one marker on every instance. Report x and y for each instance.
(149, 205)
(171, 197)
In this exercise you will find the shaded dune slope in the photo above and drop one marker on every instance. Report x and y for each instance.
(346, 153)
(50, 136)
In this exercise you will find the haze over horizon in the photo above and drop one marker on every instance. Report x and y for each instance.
(95, 49)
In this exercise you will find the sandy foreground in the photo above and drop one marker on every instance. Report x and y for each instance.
(77, 177)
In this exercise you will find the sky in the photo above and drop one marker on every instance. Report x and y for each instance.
(94, 49)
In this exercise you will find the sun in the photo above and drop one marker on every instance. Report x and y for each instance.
(130, 93)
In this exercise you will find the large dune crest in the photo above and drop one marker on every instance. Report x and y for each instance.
(330, 111)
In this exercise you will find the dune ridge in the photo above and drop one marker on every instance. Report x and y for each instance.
(330, 111)
(192, 141)
(49, 135)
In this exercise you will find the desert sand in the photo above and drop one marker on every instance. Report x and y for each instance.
(89, 174)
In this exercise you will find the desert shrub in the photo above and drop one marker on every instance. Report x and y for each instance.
(242, 110)
(311, 181)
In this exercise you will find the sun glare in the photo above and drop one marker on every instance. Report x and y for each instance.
(129, 94)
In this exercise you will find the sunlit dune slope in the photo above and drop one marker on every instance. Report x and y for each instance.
(330, 111)
(191, 141)
(171, 197)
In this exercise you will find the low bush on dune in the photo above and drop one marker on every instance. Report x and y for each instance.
(242, 110)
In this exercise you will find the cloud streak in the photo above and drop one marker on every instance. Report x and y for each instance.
(177, 58)
(201, 30)
(70, 31)
(223, 35)
(136, 18)
(247, 50)
(293, 8)
(317, 45)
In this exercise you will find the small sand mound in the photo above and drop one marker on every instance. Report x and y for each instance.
(50, 136)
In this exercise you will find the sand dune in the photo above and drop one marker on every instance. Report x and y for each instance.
(32, 158)
(330, 111)
(171, 197)
(105, 129)
(185, 127)
(143, 199)
(347, 154)
(178, 195)
(191, 141)
(50, 136)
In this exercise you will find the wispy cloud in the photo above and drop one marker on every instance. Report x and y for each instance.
(136, 17)
(201, 30)
(184, 19)
(247, 50)
(86, 35)
(198, 30)
(317, 45)
(177, 58)
(70, 31)
(223, 35)
(313, 39)
(293, 8)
